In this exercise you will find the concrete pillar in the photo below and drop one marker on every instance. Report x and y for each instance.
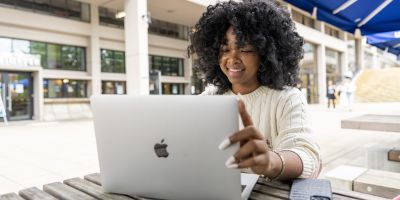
(359, 52)
(95, 60)
(136, 47)
(344, 60)
(321, 65)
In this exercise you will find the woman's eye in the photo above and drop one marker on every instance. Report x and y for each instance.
(247, 50)
(224, 50)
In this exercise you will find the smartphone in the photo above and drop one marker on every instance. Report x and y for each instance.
(311, 189)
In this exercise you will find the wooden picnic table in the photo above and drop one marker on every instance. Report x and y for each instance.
(89, 188)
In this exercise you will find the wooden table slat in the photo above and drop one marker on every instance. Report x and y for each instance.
(94, 178)
(260, 196)
(10, 196)
(93, 189)
(64, 192)
(271, 191)
(33, 193)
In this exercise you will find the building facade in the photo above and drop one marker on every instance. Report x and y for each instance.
(55, 54)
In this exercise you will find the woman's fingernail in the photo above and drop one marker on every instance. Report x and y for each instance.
(231, 160)
(234, 166)
(224, 144)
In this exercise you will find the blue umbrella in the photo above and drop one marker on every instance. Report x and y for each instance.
(369, 16)
(389, 41)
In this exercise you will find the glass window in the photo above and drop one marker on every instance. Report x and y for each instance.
(72, 58)
(303, 19)
(58, 8)
(112, 61)
(308, 76)
(107, 17)
(168, 29)
(39, 48)
(74, 9)
(333, 71)
(85, 12)
(119, 61)
(167, 65)
(5, 45)
(113, 87)
(21, 46)
(173, 88)
(42, 6)
(7, 3)
(64, 88)
(53, 56)
(24, 4)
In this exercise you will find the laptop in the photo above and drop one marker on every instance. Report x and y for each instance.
(166, 147)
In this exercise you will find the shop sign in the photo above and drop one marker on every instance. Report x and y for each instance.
(19, 60)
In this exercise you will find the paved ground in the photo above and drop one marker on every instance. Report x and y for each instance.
(35, 153)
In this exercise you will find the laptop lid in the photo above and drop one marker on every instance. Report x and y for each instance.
(166, 146)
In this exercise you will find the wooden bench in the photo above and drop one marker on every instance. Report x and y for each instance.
(379, 183)
(373, 122)
(89, 188)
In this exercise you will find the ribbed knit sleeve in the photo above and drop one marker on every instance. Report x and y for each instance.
(295, 134)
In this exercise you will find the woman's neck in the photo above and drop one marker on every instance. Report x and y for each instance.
(244, 90)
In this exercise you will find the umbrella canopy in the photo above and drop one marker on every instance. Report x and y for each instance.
(389, 41)
(369, 16)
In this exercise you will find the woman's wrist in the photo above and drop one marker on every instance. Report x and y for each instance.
(275, 166)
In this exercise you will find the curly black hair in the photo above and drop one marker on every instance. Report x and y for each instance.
(263, 24)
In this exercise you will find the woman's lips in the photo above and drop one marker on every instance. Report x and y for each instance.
(235, 72)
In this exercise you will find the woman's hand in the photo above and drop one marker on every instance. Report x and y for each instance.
(254, 152)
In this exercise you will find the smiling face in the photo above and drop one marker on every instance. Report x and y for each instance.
(240, 65)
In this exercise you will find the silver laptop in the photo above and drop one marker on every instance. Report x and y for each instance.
(166, 146)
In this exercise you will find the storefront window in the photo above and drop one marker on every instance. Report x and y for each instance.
(21, 46)
(112, 61)
(64, 88)
(113, 87)
(5, 45)
(333, 71)
(39, 48)
(53, 56)
(173, 88)
(308, 77)
(168, 66)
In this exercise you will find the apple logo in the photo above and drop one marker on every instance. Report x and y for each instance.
(161, 149)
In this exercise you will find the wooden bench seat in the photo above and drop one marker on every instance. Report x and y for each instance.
(379, 183)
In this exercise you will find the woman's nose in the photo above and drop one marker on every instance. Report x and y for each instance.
(233, 57)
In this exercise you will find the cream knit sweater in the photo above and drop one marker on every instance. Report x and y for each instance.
(281, 116)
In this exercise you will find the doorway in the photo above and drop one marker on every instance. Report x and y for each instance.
(16, 91)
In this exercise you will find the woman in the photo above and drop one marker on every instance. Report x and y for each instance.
(252, 49)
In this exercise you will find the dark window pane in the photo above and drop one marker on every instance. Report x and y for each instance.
(167, 65)
(168, 29)
(53, 56)
(24, 4)
(74, 9)
(69, 57)
(112, 61)
(80, 58)
(42, 6)
(39, 48)
(119, 62)
(58, 8)
(7, 3)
